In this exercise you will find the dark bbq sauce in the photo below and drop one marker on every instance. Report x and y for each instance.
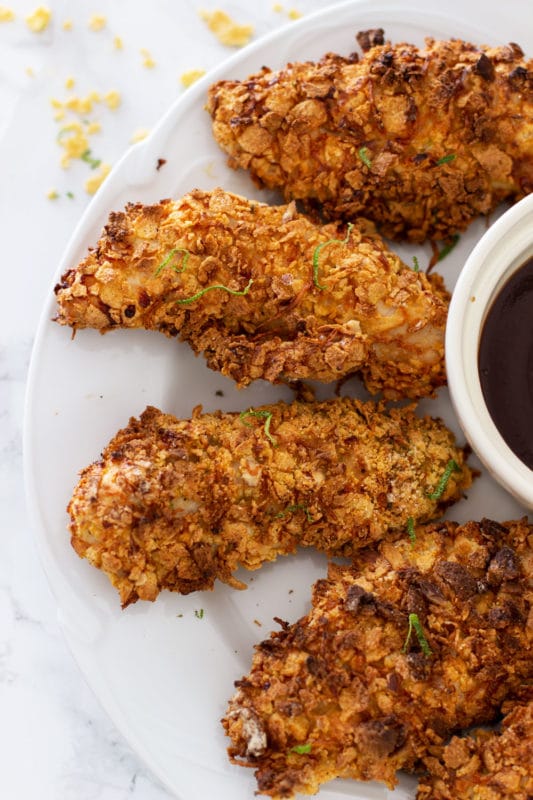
(505, 362)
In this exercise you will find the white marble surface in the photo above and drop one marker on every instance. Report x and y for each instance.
(55, 741)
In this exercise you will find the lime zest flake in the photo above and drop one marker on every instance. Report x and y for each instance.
(296, 507)
(451, 466)
(416, 265)
(316, 254)
(411, 530)
(416, 625)
(446, 159)
(267, 415)
(169, 257)
(93, 162)
(363, 155)
(448, 247)
(216, 286)
(301, 749)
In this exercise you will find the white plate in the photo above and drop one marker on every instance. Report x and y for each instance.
(163, 674)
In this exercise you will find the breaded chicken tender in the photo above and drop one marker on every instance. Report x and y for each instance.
(488, 765)
(421, 141)
(176, 504)
(264, 293)
(412, 643)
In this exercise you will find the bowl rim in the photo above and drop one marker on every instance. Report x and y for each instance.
(506, 245)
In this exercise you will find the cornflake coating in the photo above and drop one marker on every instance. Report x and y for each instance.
(176, 504)
(270, 319)
(346, 692)
(422, 141)
(488, 765)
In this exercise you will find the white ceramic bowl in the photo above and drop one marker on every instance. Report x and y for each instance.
(506, 246)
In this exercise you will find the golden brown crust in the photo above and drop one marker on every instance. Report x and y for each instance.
(488, 765)
(176, 504)
(419, 140)
(373, 315)
(354, 694)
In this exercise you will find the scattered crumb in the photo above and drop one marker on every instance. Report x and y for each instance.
(209, 169)
(112, 99)
(191, 76)
(259, 624)
(6, 14)
(52, 194)
(228, 32)
(277, 7)
(294, 14)
(59, 116)
(74, 142)
(29, 72)
(148, 61)
(93, 184)
(219, 393)
(67, 25)
(39, 19)
(93, 127)
(70, 82)
(97, 22)
(118, 44)
(139, 135)
(179, 615)
(160, 163)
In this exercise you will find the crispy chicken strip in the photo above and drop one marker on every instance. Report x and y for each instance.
(420, 141)
(489, 765)
(415, 642)
(176, 504)
(264, 293)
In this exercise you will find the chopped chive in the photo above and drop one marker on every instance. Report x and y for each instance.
(446, 159)
(448, 247)
(363, 155)
(93, 162)
(268, 418)
(411, 530)
(301, 749)
(172, 253)
(415, 624)
(199, 613)
(451, 466)
(316, 254)
(416, 265)
(297, 507)
(216, 286)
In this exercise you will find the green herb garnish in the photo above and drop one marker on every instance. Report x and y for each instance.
(316, 254)
(451, 466)
(363, 155)
(411, 530)
(71, 195)
(268, 418)
(301, 749)
(416, 265)
(199, 613)
(172, 253)
(93, 162)
(216, 286)
(446, 159)
(415, 624)
(447, 249)
(297, 507)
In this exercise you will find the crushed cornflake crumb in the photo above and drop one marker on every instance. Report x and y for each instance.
(191, 76)
(70, 82)
(39, 19)
(52, 194)
(139, 135)
(67, 25)
(112, 99)
(148, 61)
(93, 184)
(228, 32)
(97, 22)
(294, 14)
(6, 14)
(118, 44)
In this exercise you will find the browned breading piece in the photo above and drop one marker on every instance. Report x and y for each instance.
(176, 504)
(419, 140)
(306, 301)
(412, 643)
(488, 765)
